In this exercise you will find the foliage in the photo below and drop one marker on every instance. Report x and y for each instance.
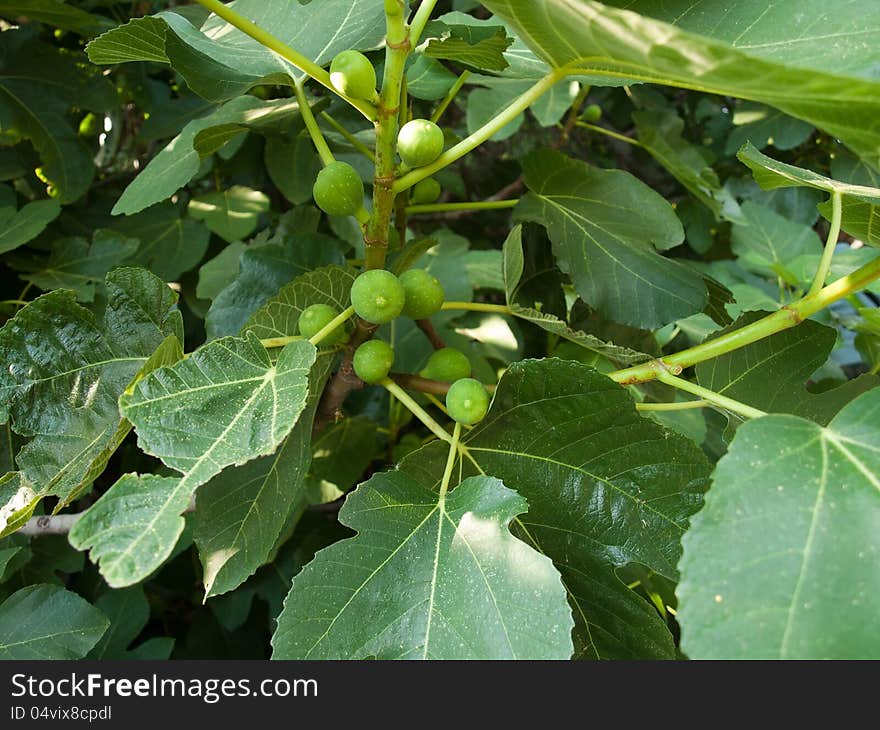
(250, 249)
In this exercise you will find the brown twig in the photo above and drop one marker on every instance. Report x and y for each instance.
(344, 381)
(426, 326)
(420, 384)
(572, 118)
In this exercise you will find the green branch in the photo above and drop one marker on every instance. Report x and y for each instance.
(420, 20)
(450, 460)
(455, 207)
(312, 126)
(830, 243)
(306, 65)
(787, 317)
(397, 48)
(453, 92)
(352, 140)
(470, 143)
(684, 406)
(332, 326)
(419, 412)
(477, 307)
(711, 396)
(609, 133)
(272, 342)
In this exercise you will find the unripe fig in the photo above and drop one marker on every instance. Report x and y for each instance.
(447, 365)
(352, 74)
(467, 401)
(593, 113)
(419, 142)
(424, 294)
(317, 316)
(377, 296)
(425, 191)
(89, 126)
(339, 189)
(373, 360)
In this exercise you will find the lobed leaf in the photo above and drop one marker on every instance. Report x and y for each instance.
(66, 368)
(427, 577)
(771, 373)
(605, 226)
(220, 62)
(605, 488)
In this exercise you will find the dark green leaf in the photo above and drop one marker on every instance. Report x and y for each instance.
(860, 203)
(606, 226)
(179, 162)
(80, 266)
(128, 612)
(57, 13)
(605, 488)
(475, 47)
(48, 622)
(232, 214)
(770, 373)
(17, 228)
(540, 282)
(660, 134)
(763, 126)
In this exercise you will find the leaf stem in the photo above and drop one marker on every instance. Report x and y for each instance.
(420, 20)
(477, 307)
(312, 125)
(437, 403)
(352, 140)
(306, 65)
(272, 342)
(511, 112)
(830, 243)
(452, 207)
(450, 460)
(609, 133)
(687, 405)
(785, 318)
(414, 408)
(332, 325)
(450, 96)
(711, 396)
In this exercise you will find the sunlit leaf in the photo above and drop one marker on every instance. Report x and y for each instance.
(781, 563)
(429, 576)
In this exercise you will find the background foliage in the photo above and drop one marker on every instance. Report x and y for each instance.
(674, 183)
